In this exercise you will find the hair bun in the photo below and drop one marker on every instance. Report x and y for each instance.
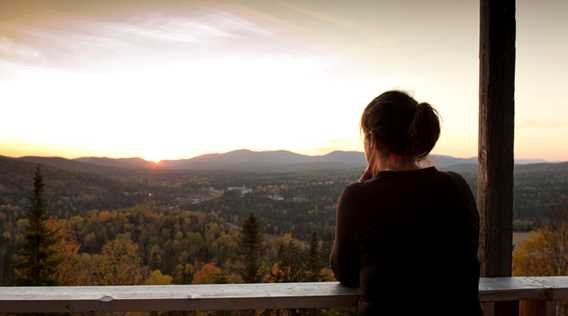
(424, 130)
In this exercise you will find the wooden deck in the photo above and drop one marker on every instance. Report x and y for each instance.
(246, 296)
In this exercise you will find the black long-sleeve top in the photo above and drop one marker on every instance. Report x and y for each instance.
(409, 239)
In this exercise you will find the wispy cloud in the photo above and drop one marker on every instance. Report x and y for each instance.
(63, 39)
(321, 16)
(10, 49)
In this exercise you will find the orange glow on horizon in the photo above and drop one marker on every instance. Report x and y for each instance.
(173, 79)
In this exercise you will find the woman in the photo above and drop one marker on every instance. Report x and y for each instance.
(407, 235)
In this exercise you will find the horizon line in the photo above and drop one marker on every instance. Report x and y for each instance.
(250, 150)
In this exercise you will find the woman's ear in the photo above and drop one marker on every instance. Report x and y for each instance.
(367, 147)
(369, 144)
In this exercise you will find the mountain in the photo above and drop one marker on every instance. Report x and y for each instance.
(543, 167)
(67, 189)
(345, 157)
(277, 160)
(444, 161)
(243, 160)
(285, 161)
(80, 165)
(130, 163)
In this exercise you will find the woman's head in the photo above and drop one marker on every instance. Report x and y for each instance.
(397, 127)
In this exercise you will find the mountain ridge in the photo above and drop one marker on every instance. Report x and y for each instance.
(240, 160)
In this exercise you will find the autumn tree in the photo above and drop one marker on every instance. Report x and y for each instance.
(211, 274)
(157, 278)
(37, 261)
(545, 251)
(251, 245)
(290, 260)
(67, 249)
(118, 264)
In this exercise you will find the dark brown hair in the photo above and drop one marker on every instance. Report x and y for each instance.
(400, 125)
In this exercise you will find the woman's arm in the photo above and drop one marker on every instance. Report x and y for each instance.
(471, 207)
(344, 257)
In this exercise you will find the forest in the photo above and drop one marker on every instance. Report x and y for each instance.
(151, 245)
(145, 245)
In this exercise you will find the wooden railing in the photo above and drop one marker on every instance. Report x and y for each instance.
(537, 296)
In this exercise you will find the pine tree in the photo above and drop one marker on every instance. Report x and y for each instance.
(251, 244)
(313, 261)
(36, 262)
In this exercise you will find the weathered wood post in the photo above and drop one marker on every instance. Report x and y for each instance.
(496, 136)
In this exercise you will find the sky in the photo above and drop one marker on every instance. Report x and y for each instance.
(169, 79)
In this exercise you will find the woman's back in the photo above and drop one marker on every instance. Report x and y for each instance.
(407, 236)
(409, 239)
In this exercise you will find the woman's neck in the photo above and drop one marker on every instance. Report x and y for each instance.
(394, 164)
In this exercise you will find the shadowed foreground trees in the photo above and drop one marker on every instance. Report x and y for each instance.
(251, 246)
(37, 261)
(313, 261)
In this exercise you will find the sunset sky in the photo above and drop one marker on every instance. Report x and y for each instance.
(167, 79)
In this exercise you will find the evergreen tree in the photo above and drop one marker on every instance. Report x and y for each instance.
(36, 261)
(325, 251)
(313, 262)
(184, 273)
(291, 261)
(251, 244)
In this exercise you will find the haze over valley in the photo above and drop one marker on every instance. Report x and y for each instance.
(267, 182)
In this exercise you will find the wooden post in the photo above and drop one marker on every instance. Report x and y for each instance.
(537, 308)
(496, 128)
(496, 135)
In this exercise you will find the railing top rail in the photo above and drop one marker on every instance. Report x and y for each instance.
(239, 296)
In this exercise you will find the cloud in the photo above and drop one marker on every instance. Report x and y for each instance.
(10, 49)
(64, 40)
(319, 15)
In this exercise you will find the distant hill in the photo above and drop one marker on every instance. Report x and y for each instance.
(75, 165)
(559, 167)
(71, 185)
(521, 168)
(117, 172)
(445, 161)
(131, 163)
(284, 161)
(242, 160)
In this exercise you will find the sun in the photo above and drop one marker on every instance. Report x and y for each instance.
(152, 157)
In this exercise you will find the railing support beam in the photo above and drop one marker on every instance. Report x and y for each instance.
(537, 308)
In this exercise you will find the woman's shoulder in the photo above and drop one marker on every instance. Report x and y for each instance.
(456, 176)
(456, 179)
(352, 190)
(386, 182)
